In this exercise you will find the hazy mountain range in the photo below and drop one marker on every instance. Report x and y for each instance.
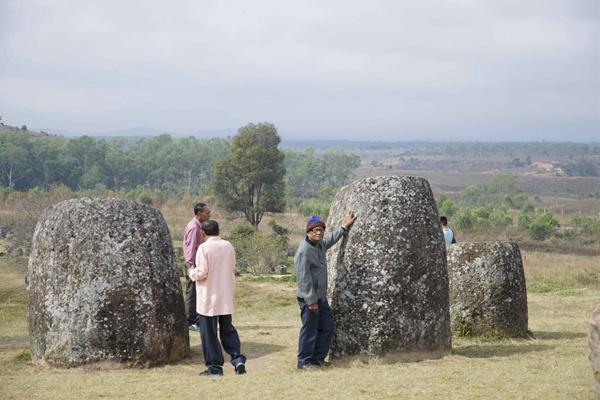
(143, 131)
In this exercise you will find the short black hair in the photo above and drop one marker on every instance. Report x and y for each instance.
(211, 227)
(444, 220)
(198, 208)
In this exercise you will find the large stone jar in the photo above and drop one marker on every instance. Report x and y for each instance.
(388, 280)
(103, 286)
(487, 289)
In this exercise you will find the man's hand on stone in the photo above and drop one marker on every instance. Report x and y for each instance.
(314, 308)
(349, 220)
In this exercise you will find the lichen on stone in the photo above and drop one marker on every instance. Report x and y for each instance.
(487, 289)
(103, 286)
(388, 281)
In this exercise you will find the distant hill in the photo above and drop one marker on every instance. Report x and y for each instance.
(145, 131)
(138, 131)
(214, 133)
(9, 128)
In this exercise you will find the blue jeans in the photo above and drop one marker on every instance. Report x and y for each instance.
(316, 333)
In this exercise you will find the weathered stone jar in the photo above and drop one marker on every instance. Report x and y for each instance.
(487, 289)
(388, 280)
(103, 286)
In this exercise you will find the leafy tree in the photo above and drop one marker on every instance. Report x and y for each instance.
(14, 165)
(305, 173)
(501, 190)
(339, 166)
(317, 207)
(464, 219)
(309, 176)
(257, 252)
(582, 168)
(250, 178)
(445, 206)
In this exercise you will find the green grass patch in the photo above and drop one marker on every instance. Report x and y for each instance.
(544, 285)
(571, 292)
(23, 357)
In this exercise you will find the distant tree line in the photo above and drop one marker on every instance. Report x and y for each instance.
(174, 165)
(157, 163)
(581, 168)
(520, 149)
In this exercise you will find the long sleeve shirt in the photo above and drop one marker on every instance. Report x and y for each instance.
(214, 275)
(192, 238)
(311, 267)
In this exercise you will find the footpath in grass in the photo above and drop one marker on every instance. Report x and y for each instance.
(553, 365)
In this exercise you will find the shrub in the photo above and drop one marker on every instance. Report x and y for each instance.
(446, 206)
(587, 224)
(524, 220)
(464, 220)
(500, 217)
(145, 198)
(542, 226)
(481, 216)
(279, 230)
(312, 207)
(256, 252)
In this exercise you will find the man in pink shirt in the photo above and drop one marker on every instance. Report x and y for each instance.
(192, 238)
(214, 275)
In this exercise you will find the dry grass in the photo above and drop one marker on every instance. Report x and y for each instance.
(561, 273)
(551, 366)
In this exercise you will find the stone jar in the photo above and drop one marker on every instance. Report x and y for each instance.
(104, 286)
(388, 280)
(487, 289)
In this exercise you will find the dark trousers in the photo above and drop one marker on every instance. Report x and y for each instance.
(213, 356)
(190, 302)
(316, 332)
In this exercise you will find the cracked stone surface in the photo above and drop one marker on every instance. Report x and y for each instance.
(388, 280)
(487, 289)
(104, 286)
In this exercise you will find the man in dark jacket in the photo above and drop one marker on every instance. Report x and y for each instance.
(311, 275)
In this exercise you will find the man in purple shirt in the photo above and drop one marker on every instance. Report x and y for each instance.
(192, 239)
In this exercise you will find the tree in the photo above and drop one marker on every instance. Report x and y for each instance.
(250, 178)
(445, 206)
(13, 164)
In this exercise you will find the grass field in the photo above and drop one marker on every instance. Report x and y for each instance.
(553, 365)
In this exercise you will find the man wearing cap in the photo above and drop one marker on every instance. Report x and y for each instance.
(311, 275)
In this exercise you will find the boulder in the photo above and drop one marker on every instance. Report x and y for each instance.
(388, 280)
(103, 286)
(594, 348)
(487, 289)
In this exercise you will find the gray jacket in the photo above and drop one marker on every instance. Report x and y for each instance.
(311, 267)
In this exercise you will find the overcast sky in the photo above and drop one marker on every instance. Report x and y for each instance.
(484, 70)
